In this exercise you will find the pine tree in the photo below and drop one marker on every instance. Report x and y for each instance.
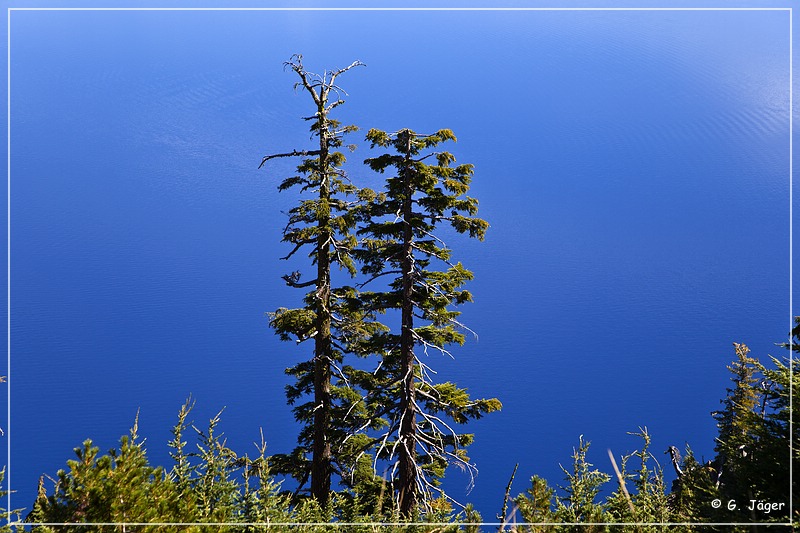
(321, 223)
(583, 487)
(263, 502)
(647, 501)
(398, 241)
(215, 484)
(535, 504)
(183, 469)
(737, 441)
(777, 446)
(215, 491)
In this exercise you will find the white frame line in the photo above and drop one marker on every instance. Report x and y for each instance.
(791, 265)
(8, 272)
(400, 9)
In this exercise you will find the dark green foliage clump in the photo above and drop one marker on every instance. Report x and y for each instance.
(754, 446)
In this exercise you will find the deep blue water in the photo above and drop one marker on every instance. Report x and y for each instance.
(634, 168)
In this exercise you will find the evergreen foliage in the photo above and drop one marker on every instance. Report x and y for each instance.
(647, 503)
(583, 486)
(736, 440)
(535, 505)
(773, 453)
(754, 447)
(688, 501)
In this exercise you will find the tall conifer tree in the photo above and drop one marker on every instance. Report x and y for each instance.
(736, 422)
(321, 223)
(398, 241)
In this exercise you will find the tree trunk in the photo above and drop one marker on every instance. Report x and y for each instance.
(408, 440)
(321, 459)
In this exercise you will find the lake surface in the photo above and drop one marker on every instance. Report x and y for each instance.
(633, 165)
